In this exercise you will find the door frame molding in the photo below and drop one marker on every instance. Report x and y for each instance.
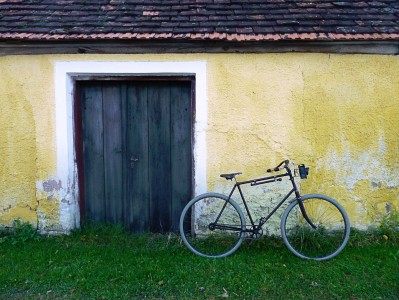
(66, 75)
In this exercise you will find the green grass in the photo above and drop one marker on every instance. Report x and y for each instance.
(108, 263)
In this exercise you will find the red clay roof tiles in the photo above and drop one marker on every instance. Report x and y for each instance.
(230, 20)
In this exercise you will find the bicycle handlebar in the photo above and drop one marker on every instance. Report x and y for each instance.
(303, 171)
(276, 169)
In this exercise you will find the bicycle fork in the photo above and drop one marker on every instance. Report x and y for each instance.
(299, 199)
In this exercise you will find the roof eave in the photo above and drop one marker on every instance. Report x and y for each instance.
(387, 44)
(216, 36)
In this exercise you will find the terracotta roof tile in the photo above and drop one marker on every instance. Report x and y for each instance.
(230, 20)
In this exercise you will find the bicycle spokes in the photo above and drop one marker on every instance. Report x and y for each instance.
(327, 238)
(208, 231)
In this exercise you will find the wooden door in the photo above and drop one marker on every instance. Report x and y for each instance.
(136, 159)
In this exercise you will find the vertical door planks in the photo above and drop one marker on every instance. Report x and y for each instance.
(181, 151)
(137, 158)
(113, 153)
(160, 156)
(137, 152)
(93, 138)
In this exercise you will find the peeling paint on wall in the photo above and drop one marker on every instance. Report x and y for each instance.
(47, 193)
(336, 113)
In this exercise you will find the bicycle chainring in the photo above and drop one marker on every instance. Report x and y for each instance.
(256, 233)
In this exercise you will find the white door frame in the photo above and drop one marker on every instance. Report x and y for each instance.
(66, 72)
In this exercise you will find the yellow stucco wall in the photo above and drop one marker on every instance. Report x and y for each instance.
(27, 147)
(336, 113)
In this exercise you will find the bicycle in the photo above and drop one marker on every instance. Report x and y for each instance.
(313, 226)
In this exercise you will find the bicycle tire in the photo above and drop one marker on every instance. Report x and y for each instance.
(197, 217)
(327, 240)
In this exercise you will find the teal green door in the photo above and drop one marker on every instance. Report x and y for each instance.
(136, 144)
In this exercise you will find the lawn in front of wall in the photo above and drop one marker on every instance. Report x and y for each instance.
(108, 263)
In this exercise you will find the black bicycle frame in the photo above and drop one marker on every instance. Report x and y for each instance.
(260, 181)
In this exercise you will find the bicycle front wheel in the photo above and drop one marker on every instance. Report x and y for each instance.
(323, 242)
(211, 225)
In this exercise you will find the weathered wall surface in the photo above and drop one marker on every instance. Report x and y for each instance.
(336, 113)
(27, 151)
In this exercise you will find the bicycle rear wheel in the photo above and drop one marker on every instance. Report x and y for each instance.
(328, 238)
(212, 226)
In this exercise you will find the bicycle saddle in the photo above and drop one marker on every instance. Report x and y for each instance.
(230, 176)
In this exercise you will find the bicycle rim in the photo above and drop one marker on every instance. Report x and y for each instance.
(327, 239)
(198, 232)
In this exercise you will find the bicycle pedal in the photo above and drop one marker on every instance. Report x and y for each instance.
(249, 240)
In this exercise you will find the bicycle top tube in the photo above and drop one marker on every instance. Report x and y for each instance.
(284, 165)
(268, 179)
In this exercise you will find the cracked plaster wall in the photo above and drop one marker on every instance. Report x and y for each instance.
(26, 138)
(336, 113)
